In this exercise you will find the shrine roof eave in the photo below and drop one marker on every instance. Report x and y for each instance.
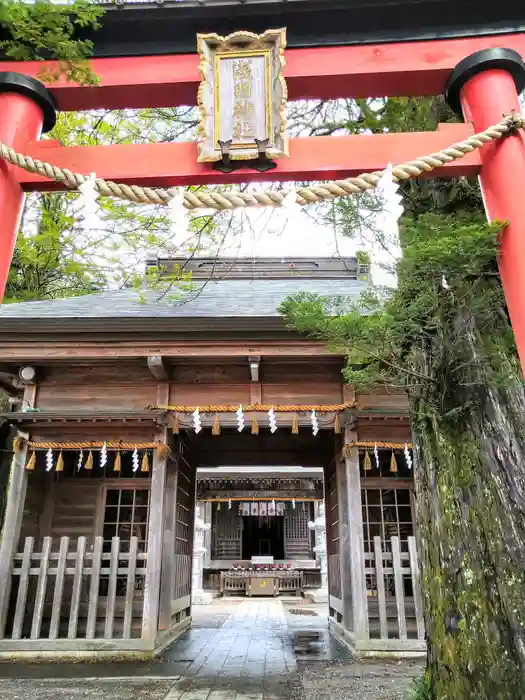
(67, 416)
(151, 28)
(193, 327)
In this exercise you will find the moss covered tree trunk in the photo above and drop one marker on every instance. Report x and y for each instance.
(470, 482)
(444, 335)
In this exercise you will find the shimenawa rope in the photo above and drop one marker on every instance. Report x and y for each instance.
(380, 445)
(223, 200)
(253, 408)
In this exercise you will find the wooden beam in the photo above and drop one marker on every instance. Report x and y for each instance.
(254, 361)
(14, 512)
(158, 368)
(150, 617)
(255, 393)
(355, 577)
(374, 70)
(168, 545)
(315, 158)
(16, 351)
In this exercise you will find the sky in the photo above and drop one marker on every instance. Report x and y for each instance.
(279, 233)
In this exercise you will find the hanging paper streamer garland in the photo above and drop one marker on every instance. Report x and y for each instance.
(273, 420)
(103, 456)
(135, 460)
(290, 200)
(229, 504)
(315, 424)
(49, 460)
(376, 455)
(80, 460)
(197, 426)
(293, 503)
(388, 191)
(240, 419)
(177, 212)
(87, 204)
(408, 456)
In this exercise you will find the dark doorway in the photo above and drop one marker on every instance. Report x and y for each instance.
(262, 536)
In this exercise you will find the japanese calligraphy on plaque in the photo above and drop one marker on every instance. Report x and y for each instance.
(242, 95)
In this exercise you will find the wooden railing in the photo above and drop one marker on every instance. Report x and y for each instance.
(67, 590)
(239, 582)
(395, 609)
(311, 579)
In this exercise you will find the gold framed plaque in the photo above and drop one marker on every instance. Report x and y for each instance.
(242, 95)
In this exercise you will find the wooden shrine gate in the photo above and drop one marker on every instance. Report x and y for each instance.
(62, 588)
(375, 601)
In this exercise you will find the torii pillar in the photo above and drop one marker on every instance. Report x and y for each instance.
(27, 108)
(483, 88)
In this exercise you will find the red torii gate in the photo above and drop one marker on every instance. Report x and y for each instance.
(481, 76)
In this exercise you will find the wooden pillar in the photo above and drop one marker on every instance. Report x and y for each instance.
(353, 580)
(16, 496)
(150, 619)
(167, 583)
(345, 563)
(206, 516)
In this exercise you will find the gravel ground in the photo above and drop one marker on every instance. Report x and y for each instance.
(317, 681)
(81, 690)
(358, 681)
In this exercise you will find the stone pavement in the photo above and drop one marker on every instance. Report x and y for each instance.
(266, 649)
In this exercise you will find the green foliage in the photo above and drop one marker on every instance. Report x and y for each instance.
(45, 263)
(363, 257)
(421, 689)
(44, 30)
(448, 268)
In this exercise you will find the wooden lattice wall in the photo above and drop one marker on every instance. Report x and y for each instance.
(184, 523)
(296, 531)
(226, 532)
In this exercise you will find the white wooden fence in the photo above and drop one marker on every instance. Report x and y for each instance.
(49, 588)
(395, 608)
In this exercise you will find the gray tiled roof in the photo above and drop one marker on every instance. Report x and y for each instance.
(227, 298)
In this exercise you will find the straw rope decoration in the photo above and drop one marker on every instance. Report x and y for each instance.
(19, 443)
(380, 445)
(256, 408)
(162, 448)
(221, 200)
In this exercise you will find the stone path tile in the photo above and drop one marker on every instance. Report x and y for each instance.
(238, 650)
